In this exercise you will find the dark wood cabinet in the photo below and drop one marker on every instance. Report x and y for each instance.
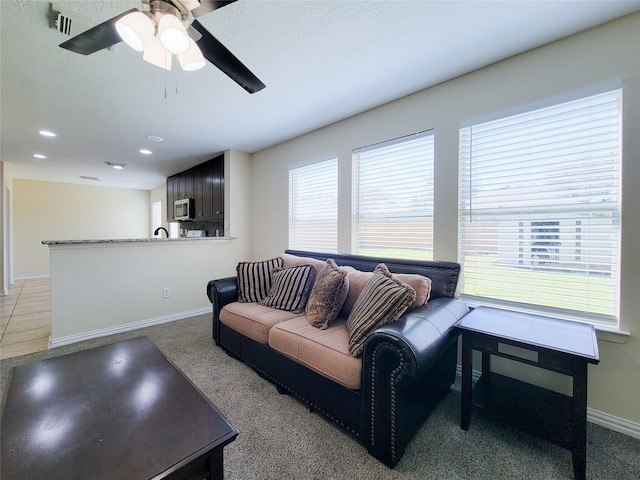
(201, 192)
(185, 184)
(205, 184)
(217, 188)
(172, 189)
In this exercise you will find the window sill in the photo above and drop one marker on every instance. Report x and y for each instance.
(612, 335)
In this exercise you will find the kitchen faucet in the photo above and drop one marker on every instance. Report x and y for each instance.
(158, 231)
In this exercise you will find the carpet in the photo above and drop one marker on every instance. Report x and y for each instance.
(280, 439)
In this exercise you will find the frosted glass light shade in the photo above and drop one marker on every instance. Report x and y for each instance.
(136, 29)
(173, 35)
(156, 54)
(192, 59)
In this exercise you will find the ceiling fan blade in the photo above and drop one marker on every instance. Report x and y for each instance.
(221, 57)
(101, 36)
(207, 6)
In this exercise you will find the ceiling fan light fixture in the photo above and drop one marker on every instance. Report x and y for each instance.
(136, 29)
(155, 54)
(173, 35)
(192, 59)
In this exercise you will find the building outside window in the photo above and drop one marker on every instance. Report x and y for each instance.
(539, 221)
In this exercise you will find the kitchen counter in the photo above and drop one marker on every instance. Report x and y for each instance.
(137, 240)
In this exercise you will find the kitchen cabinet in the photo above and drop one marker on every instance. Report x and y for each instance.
(205, 184)
(172, 190)
(185, 184)
(217, 188)
(201, 192)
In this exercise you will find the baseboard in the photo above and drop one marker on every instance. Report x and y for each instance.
(31, 277)
(597, 417)
(103, 332)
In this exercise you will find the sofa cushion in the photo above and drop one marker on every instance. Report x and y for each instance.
(381, 302)
(253, 320)
(327, 296)
(290, 288)
(289, 261)
(324, 351)
(358, 280)
(254, 279)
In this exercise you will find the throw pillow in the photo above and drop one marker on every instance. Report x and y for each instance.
(381, 302)
(254, 279)
(327, 296)
(291, 288)
(358, 280)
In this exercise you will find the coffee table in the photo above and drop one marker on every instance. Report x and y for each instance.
(553, 344)
(119, 411)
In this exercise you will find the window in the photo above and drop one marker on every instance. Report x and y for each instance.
(313, 207)
(540, 209)
(393, 204)
(156, 216)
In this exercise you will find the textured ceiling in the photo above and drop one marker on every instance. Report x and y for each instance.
(321, 61)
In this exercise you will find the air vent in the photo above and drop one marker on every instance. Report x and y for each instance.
(95, 179)
(69, 23)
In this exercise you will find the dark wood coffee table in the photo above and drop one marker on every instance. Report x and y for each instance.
(119, 411)
(550, 343)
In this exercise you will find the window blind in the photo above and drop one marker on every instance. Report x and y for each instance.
(539, 223)
(313, 207)
(393, 204)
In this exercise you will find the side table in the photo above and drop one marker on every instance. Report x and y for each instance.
(553, 344)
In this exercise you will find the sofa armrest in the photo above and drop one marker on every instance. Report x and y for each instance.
(221, 292)
(408, 366)
(420, 334)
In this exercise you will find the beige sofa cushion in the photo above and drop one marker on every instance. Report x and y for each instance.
(289, 261)
(358, 280)
(324, 351)
(254, 320)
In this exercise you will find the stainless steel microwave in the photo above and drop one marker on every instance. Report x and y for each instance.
(183, 209)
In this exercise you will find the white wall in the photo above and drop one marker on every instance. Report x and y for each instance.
(62, 211)
(98, 289)
(4, 232)
(606, 53)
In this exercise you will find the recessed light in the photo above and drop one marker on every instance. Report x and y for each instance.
(39, 155)
(144, 151)
(47, 133)
(155, 138)
(117, 166)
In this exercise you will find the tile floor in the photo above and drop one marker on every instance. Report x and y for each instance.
(25, 318)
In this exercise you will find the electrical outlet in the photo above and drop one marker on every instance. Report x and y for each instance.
(166, 292)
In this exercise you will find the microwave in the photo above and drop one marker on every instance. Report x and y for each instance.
(183, 209)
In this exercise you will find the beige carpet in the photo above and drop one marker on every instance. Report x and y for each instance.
(280, 439)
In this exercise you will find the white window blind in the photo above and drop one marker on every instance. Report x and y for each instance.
(313, 207)
(393, 204)
(540, 209)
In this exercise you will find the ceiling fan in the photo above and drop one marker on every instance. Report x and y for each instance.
(163, 28)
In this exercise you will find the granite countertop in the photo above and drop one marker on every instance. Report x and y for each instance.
(137, 240)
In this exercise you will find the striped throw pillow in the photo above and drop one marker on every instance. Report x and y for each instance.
(254, 279)
(381, 302)
(291, 288)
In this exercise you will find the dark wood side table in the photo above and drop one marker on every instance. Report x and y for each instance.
(553, 344)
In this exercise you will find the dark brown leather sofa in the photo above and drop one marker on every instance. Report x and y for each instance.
(408, 366)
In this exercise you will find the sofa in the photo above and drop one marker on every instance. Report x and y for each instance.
(382, 394)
